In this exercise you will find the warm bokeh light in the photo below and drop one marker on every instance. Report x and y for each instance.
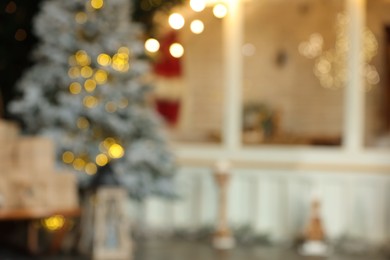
(82, 58)
(90, 168)
(220, 10)
(67, 157)
(82, 123)
(124, 50)
(104, 59)
(152, 45)
(72, 60)
(74, 72)
(116, 151)
(108, 142)
(120, 61)
(90, 85)
(101, 76)
(97, 4)
(90, 101)
(123, 103)
(20, 35)
(176, 21)
(197, 26)
(81, 17)
(176, 50)
(53, 223)
(86, 72)
(75, 88)
(101, 159)
(11, 7)
(198, 5)
(78, 164)
(110, 107)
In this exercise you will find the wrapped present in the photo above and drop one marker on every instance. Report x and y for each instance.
(8, 130)
(7, 197)
(35, 154)
(7, 162)
(8, 135)
(62, 191)
(27, 190)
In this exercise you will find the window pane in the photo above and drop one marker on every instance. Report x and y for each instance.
(377, 49)
(194, 94)
(294, 72)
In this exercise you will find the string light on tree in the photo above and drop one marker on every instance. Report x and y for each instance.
(94, 84)
(90, 168)
(67, 157)
(101, 159)
(81, 17)
(104, 59)
(116, 151)
(97, 4)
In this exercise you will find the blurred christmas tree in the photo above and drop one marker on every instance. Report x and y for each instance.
(86, 91)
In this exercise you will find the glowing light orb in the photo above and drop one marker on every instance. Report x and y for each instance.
(116, 151)
(110, 107)
(101, 159)
(176, 50)
(82, 123)
(78, 164)
(104, 59)
(82, 58)
(90, 101)
(67, 157)
(53, 223)
(220, 10)
(198, 5)
(197, 26)
(152, 45)
(90, 85)
(90, 168)
(81, 17)
(97, 4)
(176, 21)
(86, 72)
(101, 76)
(74, 72)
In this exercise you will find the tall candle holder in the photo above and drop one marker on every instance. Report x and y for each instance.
(223, 238)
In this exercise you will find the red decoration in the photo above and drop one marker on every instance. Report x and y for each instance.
(167, 65)
(169, 110)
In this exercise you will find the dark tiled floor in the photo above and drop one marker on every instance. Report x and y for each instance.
(187, 250)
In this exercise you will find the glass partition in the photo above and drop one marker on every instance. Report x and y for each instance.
(189, 88)
(294, 72)
(377, 74)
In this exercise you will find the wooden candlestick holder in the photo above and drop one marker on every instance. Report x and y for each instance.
(314, 234)
(222, 238)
